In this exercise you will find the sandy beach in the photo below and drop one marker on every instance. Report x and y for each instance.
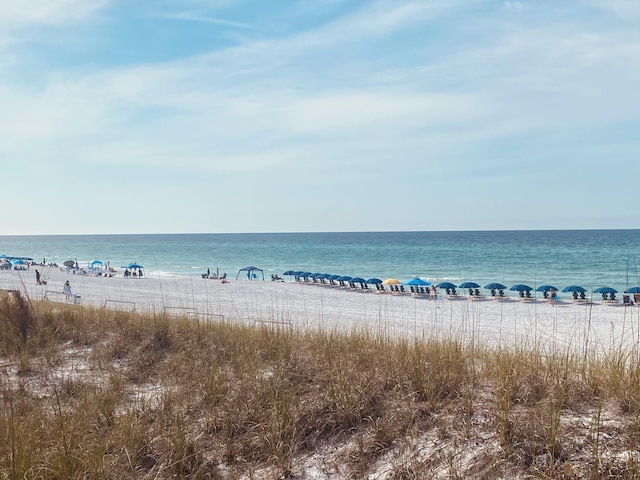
(537, 323)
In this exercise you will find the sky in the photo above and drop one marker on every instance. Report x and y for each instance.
(188, 116)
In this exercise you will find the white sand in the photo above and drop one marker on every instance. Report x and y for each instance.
(536, 323)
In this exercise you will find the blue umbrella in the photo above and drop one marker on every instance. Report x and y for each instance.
(605, 290)
(374, 281)
(521, 287)
(574, 288)
(546, 288)
(446, 285)
(416, 281)
(289, 272)
(344, 278)
(358, 280)
(334, 277)
(132, 265)
(495, 286)
(632, 290)
(305, 274)
(469, 285)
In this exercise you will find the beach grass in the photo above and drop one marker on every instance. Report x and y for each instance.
(95, 393)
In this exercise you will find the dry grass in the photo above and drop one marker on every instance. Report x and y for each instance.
(102, 394)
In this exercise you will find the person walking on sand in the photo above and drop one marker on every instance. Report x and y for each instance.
(67, 290)
(37, 277)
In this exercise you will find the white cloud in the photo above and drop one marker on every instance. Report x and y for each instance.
(17, 14)
(197, 17)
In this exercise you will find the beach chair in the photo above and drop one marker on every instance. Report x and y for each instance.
(636, 298)
(626, 300)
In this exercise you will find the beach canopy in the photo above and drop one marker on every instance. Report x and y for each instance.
(416, 281)
(446, 285)
(251, 272)
(574, 288)
(521, 287)
(632, 290)
(391, 281)
(605, 290)
(546, 288)
(495, 286)
(469, 285)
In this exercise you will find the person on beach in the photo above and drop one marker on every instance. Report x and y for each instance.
(66, 289)
(37, 277)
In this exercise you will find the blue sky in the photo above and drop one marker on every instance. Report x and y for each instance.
(318, 115)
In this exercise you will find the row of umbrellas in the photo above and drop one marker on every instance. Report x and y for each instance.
(416, 281)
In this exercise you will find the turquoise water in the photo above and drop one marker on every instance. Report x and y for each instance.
(590, 258)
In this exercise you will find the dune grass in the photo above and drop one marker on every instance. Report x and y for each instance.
(94, 393)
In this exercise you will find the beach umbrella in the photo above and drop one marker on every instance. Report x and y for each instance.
(344, 278)
(546, 288)
(130, 265)
(574, 288)
(374, 281)
(416, 281)
(69, 263)
(446, 285)
(334, 277)
(305, 274)
(358, 280)
(605, 290)
(391, 281)
(495, 286)
(289, 272)
(521, 287)
(469, 285)
(632, 290)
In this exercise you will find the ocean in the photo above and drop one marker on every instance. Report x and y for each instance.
(590, 258)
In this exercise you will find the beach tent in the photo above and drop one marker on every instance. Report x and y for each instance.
(96, 265)
(251, 272)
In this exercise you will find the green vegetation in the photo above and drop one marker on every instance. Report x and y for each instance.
(93, 393)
